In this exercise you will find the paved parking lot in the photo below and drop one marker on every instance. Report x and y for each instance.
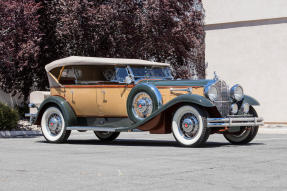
(140, 161)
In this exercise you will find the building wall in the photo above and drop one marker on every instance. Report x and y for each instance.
(246, 43)
(10, 100)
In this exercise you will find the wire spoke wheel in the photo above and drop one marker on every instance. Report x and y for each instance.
(53, 126)
(188, 126)
(142, 105)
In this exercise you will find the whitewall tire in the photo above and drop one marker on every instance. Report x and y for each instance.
(245, 135)
(188, 126)
(53, 126)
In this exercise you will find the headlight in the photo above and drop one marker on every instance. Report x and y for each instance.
(211, 92)
(234, 109)
(236, 92)
(245, 108)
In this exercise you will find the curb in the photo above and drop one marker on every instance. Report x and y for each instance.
(270, 126)
(274, 130)
(11, 134)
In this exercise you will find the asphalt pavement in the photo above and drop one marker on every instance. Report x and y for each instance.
(140, 161)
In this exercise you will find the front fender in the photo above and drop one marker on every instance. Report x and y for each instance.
(250, 100)
(190, 98)
(62, 104)
(186, 99)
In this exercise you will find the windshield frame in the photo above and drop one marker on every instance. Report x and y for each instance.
(148, 77)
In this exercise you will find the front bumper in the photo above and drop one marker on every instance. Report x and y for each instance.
(31, 116)
(234, 121)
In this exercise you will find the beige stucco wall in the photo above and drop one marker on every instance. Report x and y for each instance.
(222, 11)
(254, 56)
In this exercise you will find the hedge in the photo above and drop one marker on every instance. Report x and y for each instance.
(8, 118)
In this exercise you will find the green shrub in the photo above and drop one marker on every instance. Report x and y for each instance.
(22, 109)
(8, 118)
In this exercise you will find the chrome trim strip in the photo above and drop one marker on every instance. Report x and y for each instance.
(30, 115)
(189, 90)
(232, 122)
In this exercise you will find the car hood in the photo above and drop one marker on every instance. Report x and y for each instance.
(175, 83)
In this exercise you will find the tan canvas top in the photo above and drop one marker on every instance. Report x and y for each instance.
(81, 60)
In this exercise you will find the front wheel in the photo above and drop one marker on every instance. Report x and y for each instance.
(53, 126)
(106, 136)
(188, 126)
(245, 134)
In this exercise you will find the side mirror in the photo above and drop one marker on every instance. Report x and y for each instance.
(128, 80)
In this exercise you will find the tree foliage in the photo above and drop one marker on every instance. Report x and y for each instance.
(41, 31)
(160, 30)
(19, 45)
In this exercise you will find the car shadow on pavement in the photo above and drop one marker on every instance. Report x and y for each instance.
(220, 144)
(147, 143)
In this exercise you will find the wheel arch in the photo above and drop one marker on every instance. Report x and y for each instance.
(148, 88)
(59, 102)
(168, 114)
(167, 111)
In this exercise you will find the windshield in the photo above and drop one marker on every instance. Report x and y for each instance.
(141, 72)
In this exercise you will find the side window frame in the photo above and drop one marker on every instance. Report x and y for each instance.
(117, 68)
(72, 72)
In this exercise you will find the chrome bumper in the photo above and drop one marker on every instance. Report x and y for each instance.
(31, 116)
(234, 121)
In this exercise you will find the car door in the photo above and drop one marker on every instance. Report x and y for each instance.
(111, 98)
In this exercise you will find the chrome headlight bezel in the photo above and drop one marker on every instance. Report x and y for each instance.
(236, 92)
(211, 92)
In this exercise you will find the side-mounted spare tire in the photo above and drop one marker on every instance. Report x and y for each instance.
(142, 101)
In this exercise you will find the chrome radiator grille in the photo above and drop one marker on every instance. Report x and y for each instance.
(223, 100)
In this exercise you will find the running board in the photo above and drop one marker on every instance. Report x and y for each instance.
(107, 129)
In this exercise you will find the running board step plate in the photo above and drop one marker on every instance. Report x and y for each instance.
(108, 129)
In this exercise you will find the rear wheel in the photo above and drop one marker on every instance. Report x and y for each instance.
(106, 136)
(188, 126)
(245, 135)
(53, 126)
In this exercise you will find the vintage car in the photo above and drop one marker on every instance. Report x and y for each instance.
(109, 96)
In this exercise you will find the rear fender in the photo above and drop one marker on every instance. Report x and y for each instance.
(62, 104)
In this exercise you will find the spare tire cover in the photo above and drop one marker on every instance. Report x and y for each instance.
(142, 101)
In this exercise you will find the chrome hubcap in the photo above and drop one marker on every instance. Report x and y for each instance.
(189, 125)
(142, 105)
(54, 124)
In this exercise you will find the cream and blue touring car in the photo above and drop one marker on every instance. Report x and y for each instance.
(109, 96)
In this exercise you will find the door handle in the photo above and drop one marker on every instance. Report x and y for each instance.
(72, 94)
(104, 96)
